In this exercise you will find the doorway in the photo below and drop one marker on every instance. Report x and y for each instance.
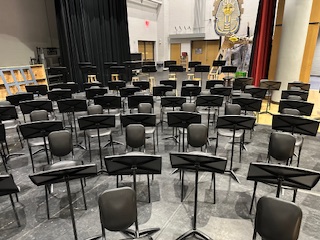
(204, 51)
(146, 48)
(175, 52)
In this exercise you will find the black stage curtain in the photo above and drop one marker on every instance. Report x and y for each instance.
(94, 31)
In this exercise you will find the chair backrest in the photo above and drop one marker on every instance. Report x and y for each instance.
(291, 111)
(277, 219)
(39, 115)
(172, 83)
(197, 135)
(232, 109)
(60, 143)
(281, 146)
(135, 135)
(189, 107)
(118, 208)
(5, 103)
(294, 97)
(94, 109)
(245, 95)
(145, 108)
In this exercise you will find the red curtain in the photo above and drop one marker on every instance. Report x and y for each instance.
(262, 42)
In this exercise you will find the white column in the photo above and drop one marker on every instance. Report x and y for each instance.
(293, 38)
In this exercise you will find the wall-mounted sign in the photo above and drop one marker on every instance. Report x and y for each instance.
(227, 16)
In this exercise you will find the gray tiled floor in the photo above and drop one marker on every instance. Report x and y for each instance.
(229, 218)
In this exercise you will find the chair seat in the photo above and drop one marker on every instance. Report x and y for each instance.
(11, 124)
(150, 130)
(60, 165)
(92, 133)
(229, 133)
(36, 142)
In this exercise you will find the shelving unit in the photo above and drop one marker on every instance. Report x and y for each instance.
(14, 79)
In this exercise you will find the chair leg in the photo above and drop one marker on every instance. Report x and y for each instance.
(15, 211)
(83, 195)
(154, 144)
(111, 143)
(31, 158)
(149, 195)
(46, 188)
(216, 148)
(17, 197)
(214, 187)
(182, 185)
(20, 138)
(89, 144)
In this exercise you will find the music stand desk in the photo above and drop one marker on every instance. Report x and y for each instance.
(271, 86)
(190, 91)
(65, 175)
(132, 164)
(304, 107)
(257, 92)
(161, 90)
(234, 122)
(97, 122)
(183, 120)
(197, 161)
(302, 94)
(281, 175)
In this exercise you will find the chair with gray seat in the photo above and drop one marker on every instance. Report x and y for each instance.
(135, 136)
(189, 107)
(60, 144)
(145, 108)
(118, 211)
(277, 219)
(281, 147)
(197, 136)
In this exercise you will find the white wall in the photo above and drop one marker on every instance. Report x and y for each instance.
(177, 17)
(23, 27)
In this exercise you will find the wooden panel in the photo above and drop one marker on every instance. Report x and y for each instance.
(274, 53)
(149, 51)
(175, 52)
(211, 50)
(37, 70)
(315, 13)
(310, 46)
(141, 48)
(280, 11)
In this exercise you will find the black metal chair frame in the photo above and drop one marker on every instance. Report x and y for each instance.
(39, 129)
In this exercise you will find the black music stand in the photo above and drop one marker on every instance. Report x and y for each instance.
(108, 102)
(281, 175)
(116, 85)
(302, 94)
(87, 85)
(58, 94)
(97, 122)
(209, 101)
(41, 89)
(142, 84)
(65, 175)
(135, 100)
(222, 91)
(241, 82)
(72, 86)
(182, 120)
(92, 92)
(8, 187)
(72, 106)
(171, 102)
(18, 97)
(161, 90)
(202, 69)
(190, 91)
(149, 69)
(120, 70)
(271, 86)
(192, 64)
(172, 83)
(234, 122)
(176, 68)
(28, 106)
(126, 92)
(248, 104)
(197, 162)
(228, 70)
(295, 124)
(301, 85)
(305, 108)
(168, 63)
(107, 66)
(133, 164)
(40, 129)
(257, 92)
(211, 83)
(190, 82)
(218, 63)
